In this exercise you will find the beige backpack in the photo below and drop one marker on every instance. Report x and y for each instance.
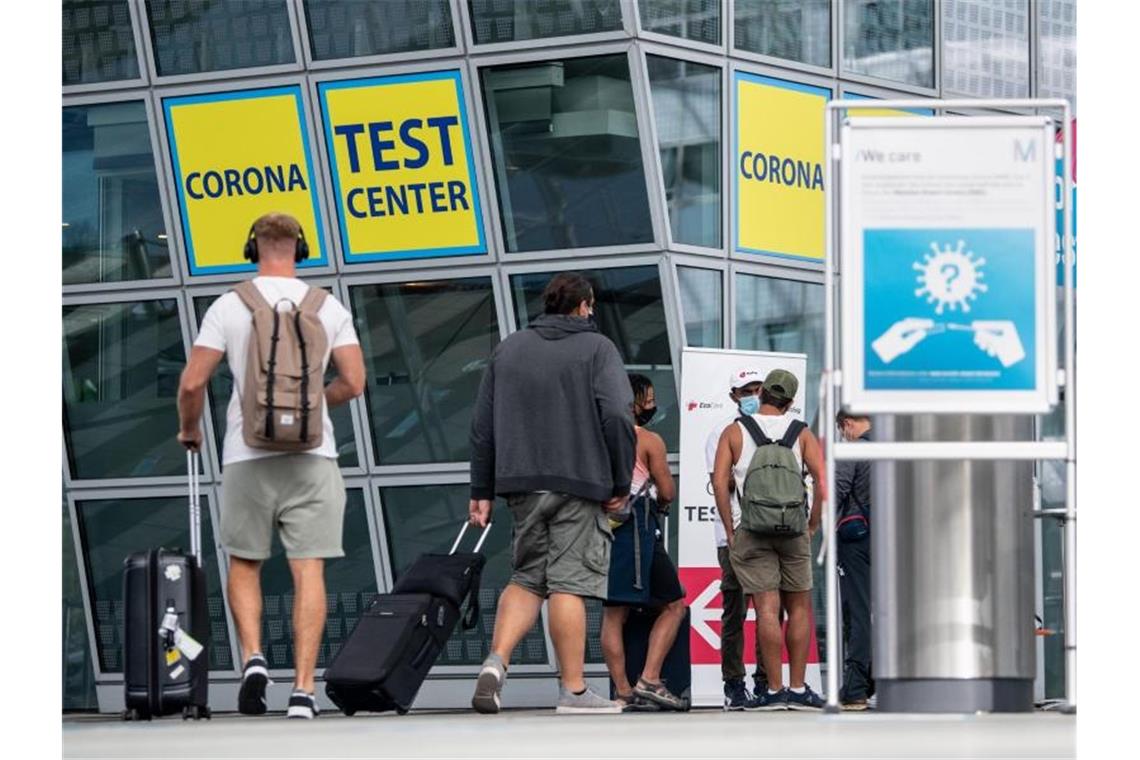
(282, 403)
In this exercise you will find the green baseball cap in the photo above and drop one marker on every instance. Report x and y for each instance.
(782, 383)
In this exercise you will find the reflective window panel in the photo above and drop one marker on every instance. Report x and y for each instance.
(797, 30)
(121, 364)
(221, 389)
(425, 345)
(567, 155)
(98, 44)
(697, 20)
(112, 216)
(986, 48)
(1057, 58)
(217, 35)
(890, 39)
(427, 518)
(112, 529)
(686, 107)
(701, 304)
(512, 20)
(354, 28)
(350, 584)
(783, 315)
(78, 673)
(630, 312)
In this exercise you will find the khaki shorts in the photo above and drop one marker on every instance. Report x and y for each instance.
(771, 564)
(561, 545)
(300, 495)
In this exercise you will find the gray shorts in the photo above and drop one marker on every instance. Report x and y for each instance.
(300, 495)
(561, 545)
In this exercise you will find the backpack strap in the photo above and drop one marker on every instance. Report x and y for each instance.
(754, 430)
(313, 301)
(792, 434)
(251, 296)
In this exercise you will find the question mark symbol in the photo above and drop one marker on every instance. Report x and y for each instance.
(949, 272)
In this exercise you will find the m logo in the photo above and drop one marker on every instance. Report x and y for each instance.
(1025, 153)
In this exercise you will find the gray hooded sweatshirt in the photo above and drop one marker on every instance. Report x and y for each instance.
(554, 413)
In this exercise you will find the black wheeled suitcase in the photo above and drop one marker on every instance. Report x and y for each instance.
(387, 656)
(166, 626)
(675, 671)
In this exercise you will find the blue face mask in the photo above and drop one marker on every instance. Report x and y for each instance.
(750, 405)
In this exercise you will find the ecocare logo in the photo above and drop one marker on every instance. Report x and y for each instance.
(704, 405)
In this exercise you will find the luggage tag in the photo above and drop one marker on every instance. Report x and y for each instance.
(187, 645)
(172, 656)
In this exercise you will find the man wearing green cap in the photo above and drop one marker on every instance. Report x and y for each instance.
(773, 566)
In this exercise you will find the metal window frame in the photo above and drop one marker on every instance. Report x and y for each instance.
(786, 261)
(590, 38)
(428, 260)
(318, 168)
(150, 492)
(646, 49)
(649, 152)
(175, 278)
(788, 64)
(721, 267)
(367, 454)
(450, 479)
(677, 42)
(312, 64)
(935, 62)
(130, 297)
(142, 80)
(203, 77)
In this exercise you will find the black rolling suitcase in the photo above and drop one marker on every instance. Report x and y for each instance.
(400, 635)
(166, 626)
(675, 671)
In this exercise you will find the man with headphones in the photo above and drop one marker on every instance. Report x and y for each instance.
(298, 493)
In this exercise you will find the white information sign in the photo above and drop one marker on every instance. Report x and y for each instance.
(707, 376)
(946, 252)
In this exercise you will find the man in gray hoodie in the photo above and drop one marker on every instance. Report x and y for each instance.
(552, 432)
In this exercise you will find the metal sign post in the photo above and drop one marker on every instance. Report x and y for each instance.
(1027, 379)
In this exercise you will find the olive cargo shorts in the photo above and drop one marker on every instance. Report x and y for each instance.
(300, 495)
(771, 564)
(561, 545)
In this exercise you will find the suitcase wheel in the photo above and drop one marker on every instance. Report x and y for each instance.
(195, 712)
(349, 711)
(401, 711)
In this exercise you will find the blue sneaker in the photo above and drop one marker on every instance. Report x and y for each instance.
(736, 696)
(766, 701)
(808, 700)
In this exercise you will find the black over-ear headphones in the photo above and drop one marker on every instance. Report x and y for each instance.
(300, 253)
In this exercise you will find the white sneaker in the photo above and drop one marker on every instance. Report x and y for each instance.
(586, 703)
(489, 686)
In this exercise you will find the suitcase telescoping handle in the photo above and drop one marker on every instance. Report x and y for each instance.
(195, 506)
(478, 546)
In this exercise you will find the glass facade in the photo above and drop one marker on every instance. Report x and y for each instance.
(98, 42)
(556, 100)
(890, 39)
(796, 30)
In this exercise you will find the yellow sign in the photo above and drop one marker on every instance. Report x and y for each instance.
(778, 177)
(238, 155)
(882, 111)
(402, 166)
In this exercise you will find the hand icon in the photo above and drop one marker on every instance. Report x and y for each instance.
(999, 338)
(901, 337)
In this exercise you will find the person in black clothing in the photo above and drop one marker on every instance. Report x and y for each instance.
(853, 506)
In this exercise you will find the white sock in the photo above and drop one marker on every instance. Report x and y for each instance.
(800, 690)
(772, 693)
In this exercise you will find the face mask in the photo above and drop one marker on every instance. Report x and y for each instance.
(645, 415)
(750, 405)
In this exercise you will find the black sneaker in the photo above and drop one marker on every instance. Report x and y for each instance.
(302, 704)
(759, 683)
(736, 696)
(254, 678)
(766, 701)
(808, 700)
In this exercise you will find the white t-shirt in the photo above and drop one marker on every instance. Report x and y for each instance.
(710, 462)
(227, 326)
(774, 427)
